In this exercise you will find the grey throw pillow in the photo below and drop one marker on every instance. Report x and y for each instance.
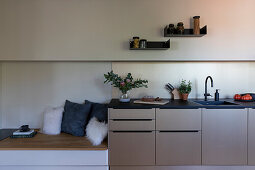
(100, 111)
(75, 118)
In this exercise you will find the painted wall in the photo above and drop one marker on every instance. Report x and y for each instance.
(229, 77)
(100, 30)
(28, 88)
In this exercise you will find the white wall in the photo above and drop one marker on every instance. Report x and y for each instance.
(100, 29)
(30, 87)
(229, 77)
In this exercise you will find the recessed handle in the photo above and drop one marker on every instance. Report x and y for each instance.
(179, 131)
(132, 119)
(124, 131)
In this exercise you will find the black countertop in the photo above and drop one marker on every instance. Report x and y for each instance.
(180, 104)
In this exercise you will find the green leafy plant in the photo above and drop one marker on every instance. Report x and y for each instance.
(185, 87)
(124, 84)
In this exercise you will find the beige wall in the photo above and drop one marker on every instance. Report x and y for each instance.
(229, 77)
(30, 87)
(27, 88)
(100, 29)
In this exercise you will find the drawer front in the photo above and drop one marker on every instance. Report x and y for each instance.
(53, 158)
(132, 148)
(178, 119)
(139, 124)
(178, 148)
(132, 113)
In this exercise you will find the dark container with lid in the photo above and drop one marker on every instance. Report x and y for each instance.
(180, 28)
(171, 29)
(143, 43)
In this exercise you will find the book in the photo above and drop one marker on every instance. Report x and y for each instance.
(18, 132)
(24, 136)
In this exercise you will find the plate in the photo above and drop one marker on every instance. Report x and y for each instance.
(244, 100)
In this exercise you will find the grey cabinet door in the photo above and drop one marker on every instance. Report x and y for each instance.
(133, 125)
(251, 137)
(178, 148)
(178, 119)
(131, 113)
(132, 148)
(224, 136)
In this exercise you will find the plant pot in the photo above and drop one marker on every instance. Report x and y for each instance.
(124, 98)
(185, 96)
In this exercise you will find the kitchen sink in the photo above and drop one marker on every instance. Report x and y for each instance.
(215, 103)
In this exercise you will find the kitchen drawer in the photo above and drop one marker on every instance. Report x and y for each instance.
(138, 124)
(132, 148)
(178, 119)
(131, 113)
(178, 148)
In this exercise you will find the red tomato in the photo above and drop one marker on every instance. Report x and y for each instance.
(237, 97)
(248, 96)
(244, 97)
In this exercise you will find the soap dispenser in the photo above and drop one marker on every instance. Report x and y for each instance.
(217, 95)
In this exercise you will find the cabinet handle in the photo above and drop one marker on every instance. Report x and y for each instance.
(132, 131)
(132, 119)
(178, 131)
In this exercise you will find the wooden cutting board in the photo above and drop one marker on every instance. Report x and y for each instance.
(162, 102)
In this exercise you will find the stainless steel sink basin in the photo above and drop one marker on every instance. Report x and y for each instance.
(214, 103)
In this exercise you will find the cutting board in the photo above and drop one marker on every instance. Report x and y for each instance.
(162, 102)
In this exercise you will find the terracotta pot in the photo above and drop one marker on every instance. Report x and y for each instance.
(185, 96)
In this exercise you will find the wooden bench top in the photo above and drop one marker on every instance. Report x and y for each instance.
(50, 142)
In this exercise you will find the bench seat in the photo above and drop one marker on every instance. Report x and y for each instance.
(45, 151)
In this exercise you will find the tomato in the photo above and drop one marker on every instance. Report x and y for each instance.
(237, 97)
(246, 97)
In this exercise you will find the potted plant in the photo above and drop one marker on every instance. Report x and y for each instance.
(124, 84)
(185, 89)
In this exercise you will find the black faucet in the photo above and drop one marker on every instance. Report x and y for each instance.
(207, 94)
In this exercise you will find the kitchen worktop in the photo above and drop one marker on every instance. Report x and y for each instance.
(179, 104)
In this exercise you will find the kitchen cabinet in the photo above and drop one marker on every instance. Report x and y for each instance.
(178, 137)
(132, 148)
(224, 136)
(178, 119)
(132, 137)
(251, 137)
(178, 148)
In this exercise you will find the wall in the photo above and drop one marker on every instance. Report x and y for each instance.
(100, 30)
(30, 87)
(229, 77)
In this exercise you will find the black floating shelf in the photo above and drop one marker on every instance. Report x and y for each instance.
(187, 33)
(153, 45)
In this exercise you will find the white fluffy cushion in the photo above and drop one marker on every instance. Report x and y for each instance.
(52, 121)
(96, 131)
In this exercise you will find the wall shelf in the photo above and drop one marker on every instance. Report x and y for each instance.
(187, 33)
(153, 45)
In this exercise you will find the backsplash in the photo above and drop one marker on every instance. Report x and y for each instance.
(229, 77)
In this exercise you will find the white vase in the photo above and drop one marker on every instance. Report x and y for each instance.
(124, 98)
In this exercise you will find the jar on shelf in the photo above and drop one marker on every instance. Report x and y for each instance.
(170, 29)
(135, 42)
(180, 28)
(196, 30)
(143, 43)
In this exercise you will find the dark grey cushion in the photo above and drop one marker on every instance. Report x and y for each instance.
(100, 111)
(75, 118)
